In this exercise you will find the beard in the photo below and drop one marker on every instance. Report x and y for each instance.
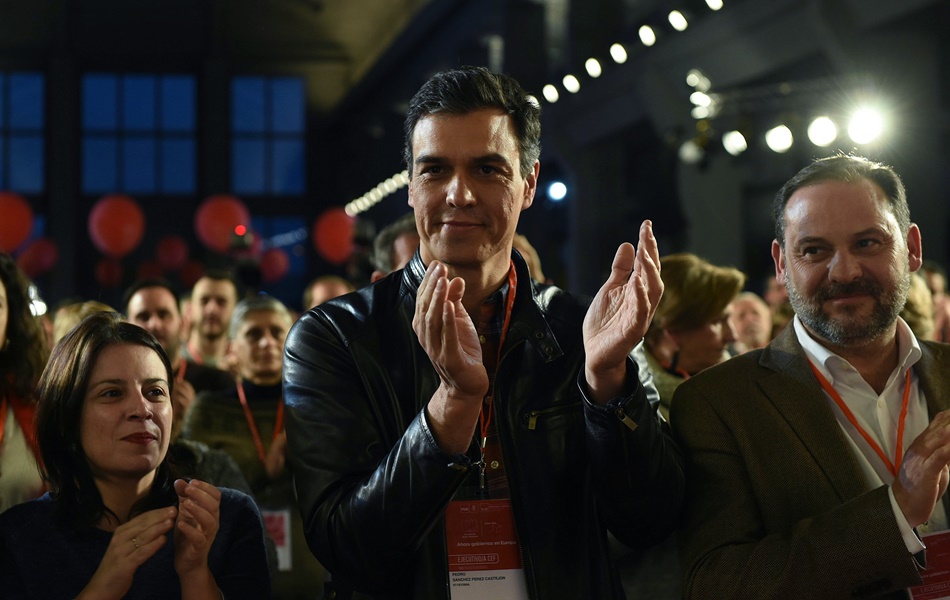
(851, 329)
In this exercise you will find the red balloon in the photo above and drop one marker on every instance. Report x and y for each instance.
(333, 235)
(150, 269)
(172, 252)
(216, 219)
(116, 225)
(274, 265)
(109, 272)
(191, 273)
(39, 257)
(16, 221)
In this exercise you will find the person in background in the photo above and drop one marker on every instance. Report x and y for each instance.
(691, 330)
(936, 278)
(324, 288)
(918, 311)
(456, 404)
(394, 246)
(212, 301)
(530, 255)
(23, 353)
(117, 523)
(69, 315)
(246, 421)
(815, 464)
(752, 320)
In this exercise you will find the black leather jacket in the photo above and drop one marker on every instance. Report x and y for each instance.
(373, 485)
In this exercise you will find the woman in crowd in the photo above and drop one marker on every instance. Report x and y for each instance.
(691, 329)
(116, 523)
(247, 423)
(23, 353)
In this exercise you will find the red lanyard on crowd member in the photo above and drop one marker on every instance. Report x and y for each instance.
(484, 417)
(899, 452)
(195, 354)
(182, 367)
(278, 425)
(3, 417)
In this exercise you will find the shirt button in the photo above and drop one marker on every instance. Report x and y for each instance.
(494, 464)
(482, 339)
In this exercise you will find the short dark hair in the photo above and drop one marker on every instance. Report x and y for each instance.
(61, 394)
(24, 351)
(386, 238)
(141, 284)
(223, 275)
(845, 169)
(467, 89)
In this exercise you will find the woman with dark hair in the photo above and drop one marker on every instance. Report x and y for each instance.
(23, 352)
(116, 523)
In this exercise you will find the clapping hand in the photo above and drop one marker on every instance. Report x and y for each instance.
(620, 314)
(447, 334)
(133, 543)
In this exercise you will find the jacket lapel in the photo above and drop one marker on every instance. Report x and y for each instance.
(792, 389)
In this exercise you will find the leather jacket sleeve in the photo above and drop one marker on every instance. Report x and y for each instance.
(369, 490)
(637, 468)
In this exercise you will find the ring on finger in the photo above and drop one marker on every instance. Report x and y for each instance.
(135, 542)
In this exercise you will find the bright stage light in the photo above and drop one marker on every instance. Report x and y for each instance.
(822, 132)
(557, 191)
(866, 126)
(647, 35)
(734, 143)
(779, 139)
(618, 53)
(571, 84)
(550, 93)
(593, 67)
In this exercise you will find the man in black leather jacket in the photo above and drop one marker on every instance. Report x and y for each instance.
(458, 383)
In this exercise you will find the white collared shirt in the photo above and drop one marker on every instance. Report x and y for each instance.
(878, 414)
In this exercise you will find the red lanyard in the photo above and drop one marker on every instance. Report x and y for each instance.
(3, 417)
(182, 367)
(195, 354)
(899, 452)
(484, 417)
(278, 426)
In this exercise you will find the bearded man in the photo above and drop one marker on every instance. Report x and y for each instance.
(817, 464)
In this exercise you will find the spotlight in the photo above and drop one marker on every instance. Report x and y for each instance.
(734, 143)
(691, 152)
(779, 139)
(647, 35)
(866, 126)
(593, 67)
(678, 20)
(696, 80)
(700, 99)
(571, 84)
(822, 131)
(714, 4)
(618, 53)
(550, 93)
(557, 191)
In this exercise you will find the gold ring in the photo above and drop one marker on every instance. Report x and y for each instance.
(136, 542)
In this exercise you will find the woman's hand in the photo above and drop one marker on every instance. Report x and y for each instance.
(132, 544)
(195, 529)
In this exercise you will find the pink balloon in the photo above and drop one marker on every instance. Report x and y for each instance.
(39, 257)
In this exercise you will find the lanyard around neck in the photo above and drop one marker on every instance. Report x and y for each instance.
(484, 417)
(255, 434)
(892, 467)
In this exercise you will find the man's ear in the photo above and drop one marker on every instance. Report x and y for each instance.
(531, 185)
(915, 253)
(778, 256)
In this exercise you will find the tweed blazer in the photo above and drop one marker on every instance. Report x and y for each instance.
(777, 505)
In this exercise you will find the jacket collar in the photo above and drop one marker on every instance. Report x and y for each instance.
(528, 321)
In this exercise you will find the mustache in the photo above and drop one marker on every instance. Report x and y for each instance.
(832, 291)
